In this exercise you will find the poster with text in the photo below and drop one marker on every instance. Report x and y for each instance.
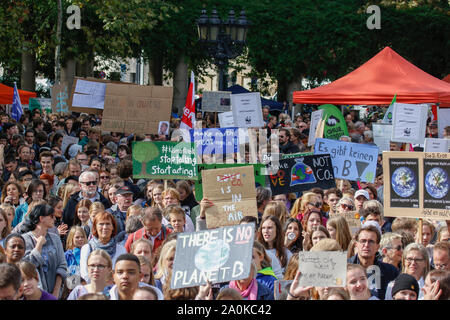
(232, 191)
(226, 119)
(218, 255)
(216, 101)
(436, 145)
(323, 268)
(436, 184)
(335, 125)
(247, 111)
(443, 120)
(164, 160)
(211, 141)
(409, 123)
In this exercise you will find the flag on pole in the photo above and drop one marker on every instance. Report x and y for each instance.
(188, 118)
(388, 116)
(16, 110)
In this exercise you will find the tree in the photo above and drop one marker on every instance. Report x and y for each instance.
(144, 152)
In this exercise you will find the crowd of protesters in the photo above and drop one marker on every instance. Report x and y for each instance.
(74, 224)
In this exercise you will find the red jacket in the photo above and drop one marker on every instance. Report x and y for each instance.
(141, 234)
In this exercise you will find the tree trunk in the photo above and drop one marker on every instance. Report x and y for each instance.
(292, 86)
(156, 72)
(180, 86)
(68, 73)
(28, 72)
(85, 69)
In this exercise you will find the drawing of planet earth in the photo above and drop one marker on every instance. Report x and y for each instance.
(212, 255)
(404, 182)
(436, 183)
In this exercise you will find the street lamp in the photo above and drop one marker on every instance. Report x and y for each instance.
(224, 39)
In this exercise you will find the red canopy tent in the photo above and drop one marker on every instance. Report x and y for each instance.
(6, 95)
(377, 81)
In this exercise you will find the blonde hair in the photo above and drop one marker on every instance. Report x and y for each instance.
(424, 253)
(65, 192)
(300, 204)
(97, 205)
(326, 245)
(278, 209)
(165, 251)
(71, 235)
(135, 209)
(102, 253)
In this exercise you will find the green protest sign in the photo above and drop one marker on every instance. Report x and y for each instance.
(295, 155)
(335, 125)
(164, 160)
(259, 177)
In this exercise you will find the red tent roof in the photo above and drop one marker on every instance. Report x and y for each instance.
(6, 95)
(377, 81)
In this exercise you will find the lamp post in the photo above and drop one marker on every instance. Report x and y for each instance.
(224, 39)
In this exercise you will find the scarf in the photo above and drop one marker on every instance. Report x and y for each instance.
(77, 254)
(110, 247)
(251, 293)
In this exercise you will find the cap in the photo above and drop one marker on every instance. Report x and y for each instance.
(124, 190)
(373, 223)
(405, 282)
(362, 192)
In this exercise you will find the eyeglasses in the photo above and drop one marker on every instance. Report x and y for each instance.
(440, 266)
(364, 241)
(347, 206)
(398, 248)
(96, 266)
(89, 183)
(104, 177)
(411, 260)
(317, 204)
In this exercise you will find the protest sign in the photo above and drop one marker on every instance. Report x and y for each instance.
(443, 120)
(88, 95)
(351, 161)
(216, 101)
(218, 255)
(215, 140)
(382, 134)
(247, 111)
(67, 141)
(164, 160)
(353, 220)
(260, 178)
(335, 125)
(232, 190)
(436, 145)
(409, 123)
(226, 119)
(304, 173)
(416, 184)
(60, 97)
(136, 109)
(316, 116)
(322, 268)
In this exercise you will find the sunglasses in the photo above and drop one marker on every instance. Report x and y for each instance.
(317, 204)
(347, 206)
(89, 183)
(397, 248)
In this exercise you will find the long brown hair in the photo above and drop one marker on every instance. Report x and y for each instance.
(279, 239)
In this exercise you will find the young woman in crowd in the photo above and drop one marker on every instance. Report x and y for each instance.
(36, 191)
(293, 235)
(165, 264)
(82, 217)
(338, 228)
(12, 194)
(357, 284)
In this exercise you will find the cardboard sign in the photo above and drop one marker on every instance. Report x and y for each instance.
(353, 220)
(304, 173)
(323, 268)
(247, 111)
(164, 160)
(351, 161)
(216, 101)
(226, 119)
(60, 98)
(416, 184)
(382, 134)
(260, 178)
(409, 123)
(232, 190)
(316, 116)
(436, 145)
(218, 255)
(215, 140)
(136, 109)
(335, 125)
(68, 140)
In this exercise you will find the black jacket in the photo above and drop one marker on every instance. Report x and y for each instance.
(289, 148)
(69, 209)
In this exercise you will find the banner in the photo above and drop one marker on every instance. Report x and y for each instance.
(409, 123)
(188, 118)
(215, 140)
(218, 255)
(232, 190)
(164, 160)
(323, 268)
(335, 125)
(351, 161)
(436, 145)
(226, 119)
(216, 101)
(260, 178)
(382, 134)
(247, 111)
(316, 116)
(416, 184)
(301, 174)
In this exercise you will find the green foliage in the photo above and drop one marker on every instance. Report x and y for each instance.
(144, 151)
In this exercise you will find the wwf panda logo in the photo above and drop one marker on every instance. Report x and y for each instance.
(332, 121)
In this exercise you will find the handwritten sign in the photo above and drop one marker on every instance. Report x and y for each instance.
(247, 111)
(436, 145)
(60, 97)
(216, 101)
(218, 255)
(351, 161)
(232, 190)
(164, 160)
(303, 173)
(226, 119)
(416, 185)
(323, 268)
(409, 123)
(353, 220)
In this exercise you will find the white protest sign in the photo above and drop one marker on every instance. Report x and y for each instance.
(409, 121)
(226, 119)
(443, 120)
(67, 141)
(322, 268)
(316, 116)
(247, 111)
(89, 94)
(382, 135)
(436, 145)
(216, 101)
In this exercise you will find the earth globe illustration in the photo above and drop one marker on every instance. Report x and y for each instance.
(404, 182)
(436, 183)
(212, 255)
